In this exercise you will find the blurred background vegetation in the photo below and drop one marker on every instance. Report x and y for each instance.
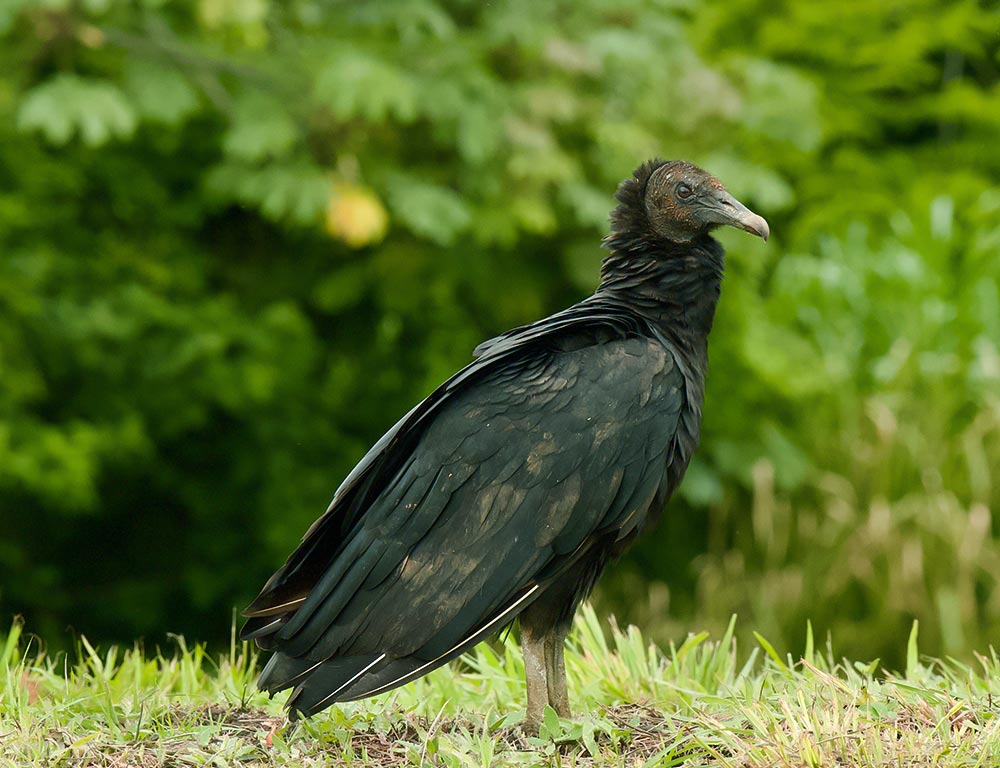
(239, 238)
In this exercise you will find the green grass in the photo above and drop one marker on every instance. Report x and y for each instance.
(700, 703)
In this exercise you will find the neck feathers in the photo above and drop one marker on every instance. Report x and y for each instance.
(671, 283)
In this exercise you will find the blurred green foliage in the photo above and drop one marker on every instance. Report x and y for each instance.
(239, 239)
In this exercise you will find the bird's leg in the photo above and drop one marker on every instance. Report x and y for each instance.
(555, 669)
(543, 638)
(535, 673)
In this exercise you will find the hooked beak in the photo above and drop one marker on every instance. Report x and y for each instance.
(722, 208)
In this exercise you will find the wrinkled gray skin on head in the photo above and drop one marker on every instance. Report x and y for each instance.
(684, 202)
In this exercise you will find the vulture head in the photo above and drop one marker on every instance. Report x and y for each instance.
(680, 202)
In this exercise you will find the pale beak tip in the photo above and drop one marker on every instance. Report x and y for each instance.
(755, 225)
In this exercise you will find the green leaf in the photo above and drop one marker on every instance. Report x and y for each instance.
(11, 645)
(430, 211)
(589, 205)
(357, 84)
(809, 652)
(160, 93)
(69, 104)
(912, 652)
(702, 485)
(9, 11)
(769, 649)
(97, 7)
(479, 132)
(794, 117)
(867, 669)
(588, 738)
(551, 721)
(297, 191)
(261, 128)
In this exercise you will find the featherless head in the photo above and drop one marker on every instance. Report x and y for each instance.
(677, 201)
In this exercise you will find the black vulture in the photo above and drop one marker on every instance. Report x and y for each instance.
(505, 493)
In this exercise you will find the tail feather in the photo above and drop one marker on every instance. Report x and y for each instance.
(324, 685)
(347, 678)
(412, 667)
(261, 629)
(283, 672)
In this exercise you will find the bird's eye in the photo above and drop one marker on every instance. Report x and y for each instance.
(683, 191)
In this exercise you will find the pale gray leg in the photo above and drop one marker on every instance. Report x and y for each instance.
(543, 639)
(555, 666)
(535, 674)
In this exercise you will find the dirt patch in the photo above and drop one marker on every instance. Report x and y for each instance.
(227, 718)
(184, 736)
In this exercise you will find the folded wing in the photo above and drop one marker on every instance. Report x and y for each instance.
(463, 514)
